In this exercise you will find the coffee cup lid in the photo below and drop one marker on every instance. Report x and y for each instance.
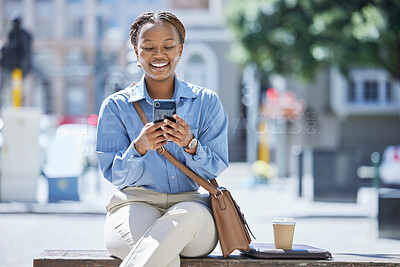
(282, 220)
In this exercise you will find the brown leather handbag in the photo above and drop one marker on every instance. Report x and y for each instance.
(233, 230)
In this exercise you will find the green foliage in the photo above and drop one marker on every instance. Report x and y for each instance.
(299, 37)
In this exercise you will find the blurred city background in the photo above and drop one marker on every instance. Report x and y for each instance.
(311, 89)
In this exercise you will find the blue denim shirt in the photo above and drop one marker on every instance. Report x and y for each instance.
(119, 125)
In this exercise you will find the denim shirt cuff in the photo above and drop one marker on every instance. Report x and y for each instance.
(133, 156)
(196, 159)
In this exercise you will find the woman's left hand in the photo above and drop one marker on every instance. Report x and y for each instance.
(179, 133)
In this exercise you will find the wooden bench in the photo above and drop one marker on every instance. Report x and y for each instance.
(102, 258)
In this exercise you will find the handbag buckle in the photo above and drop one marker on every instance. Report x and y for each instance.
(163, 150)
(221, 199)
(219, 189)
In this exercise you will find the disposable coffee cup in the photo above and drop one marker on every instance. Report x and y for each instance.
(283, 232)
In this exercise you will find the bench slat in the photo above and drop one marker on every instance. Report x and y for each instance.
(102, 258)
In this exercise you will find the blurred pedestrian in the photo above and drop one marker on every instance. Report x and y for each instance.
(157, 214)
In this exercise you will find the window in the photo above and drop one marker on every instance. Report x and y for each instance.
(196, 72)
(369, 87)
(76, 100)
(75, 27)
(76, 73)
(371, 91)
(75, 57)
(44, 19)
(74, 19)
(189, 4)
(200, 66)
(44, 60)
(366, 91)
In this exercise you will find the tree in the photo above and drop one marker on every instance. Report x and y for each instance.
(300, 37)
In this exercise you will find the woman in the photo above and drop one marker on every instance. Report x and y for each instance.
(157, 213)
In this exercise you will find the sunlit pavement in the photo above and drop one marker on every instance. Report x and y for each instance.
(28, 229)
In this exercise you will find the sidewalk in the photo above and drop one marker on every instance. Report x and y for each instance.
(278, 197)
(28, 229)
(338, 227)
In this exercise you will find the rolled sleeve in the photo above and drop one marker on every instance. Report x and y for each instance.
(195, 160)
(119, 160)
(132, 154)
(211, 157)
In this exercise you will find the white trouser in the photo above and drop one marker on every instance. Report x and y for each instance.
(155, 231)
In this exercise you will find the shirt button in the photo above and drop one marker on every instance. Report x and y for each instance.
(172, 177)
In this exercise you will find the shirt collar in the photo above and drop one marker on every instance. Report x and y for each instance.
(182, 90)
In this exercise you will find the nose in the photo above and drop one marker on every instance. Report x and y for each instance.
(157, 51)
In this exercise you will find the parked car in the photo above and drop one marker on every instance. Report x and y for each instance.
(389, 170)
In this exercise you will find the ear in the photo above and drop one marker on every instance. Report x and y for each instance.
(180, 50)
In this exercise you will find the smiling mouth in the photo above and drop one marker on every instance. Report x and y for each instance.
(159, 66)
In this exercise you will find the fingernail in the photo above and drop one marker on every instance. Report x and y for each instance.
(165, 120)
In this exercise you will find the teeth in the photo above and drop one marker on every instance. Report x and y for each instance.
(159, 65)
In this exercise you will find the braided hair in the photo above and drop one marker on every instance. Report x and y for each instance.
(152, 17)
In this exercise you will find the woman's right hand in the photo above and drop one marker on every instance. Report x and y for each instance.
(150, 138)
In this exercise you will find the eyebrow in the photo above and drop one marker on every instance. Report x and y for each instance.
(168, 39)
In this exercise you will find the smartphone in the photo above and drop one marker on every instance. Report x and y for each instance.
(164, 109)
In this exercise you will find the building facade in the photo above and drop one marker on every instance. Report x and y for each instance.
(82, 53)
(347, 119)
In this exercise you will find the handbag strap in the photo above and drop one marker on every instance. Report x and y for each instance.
(211, 186)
